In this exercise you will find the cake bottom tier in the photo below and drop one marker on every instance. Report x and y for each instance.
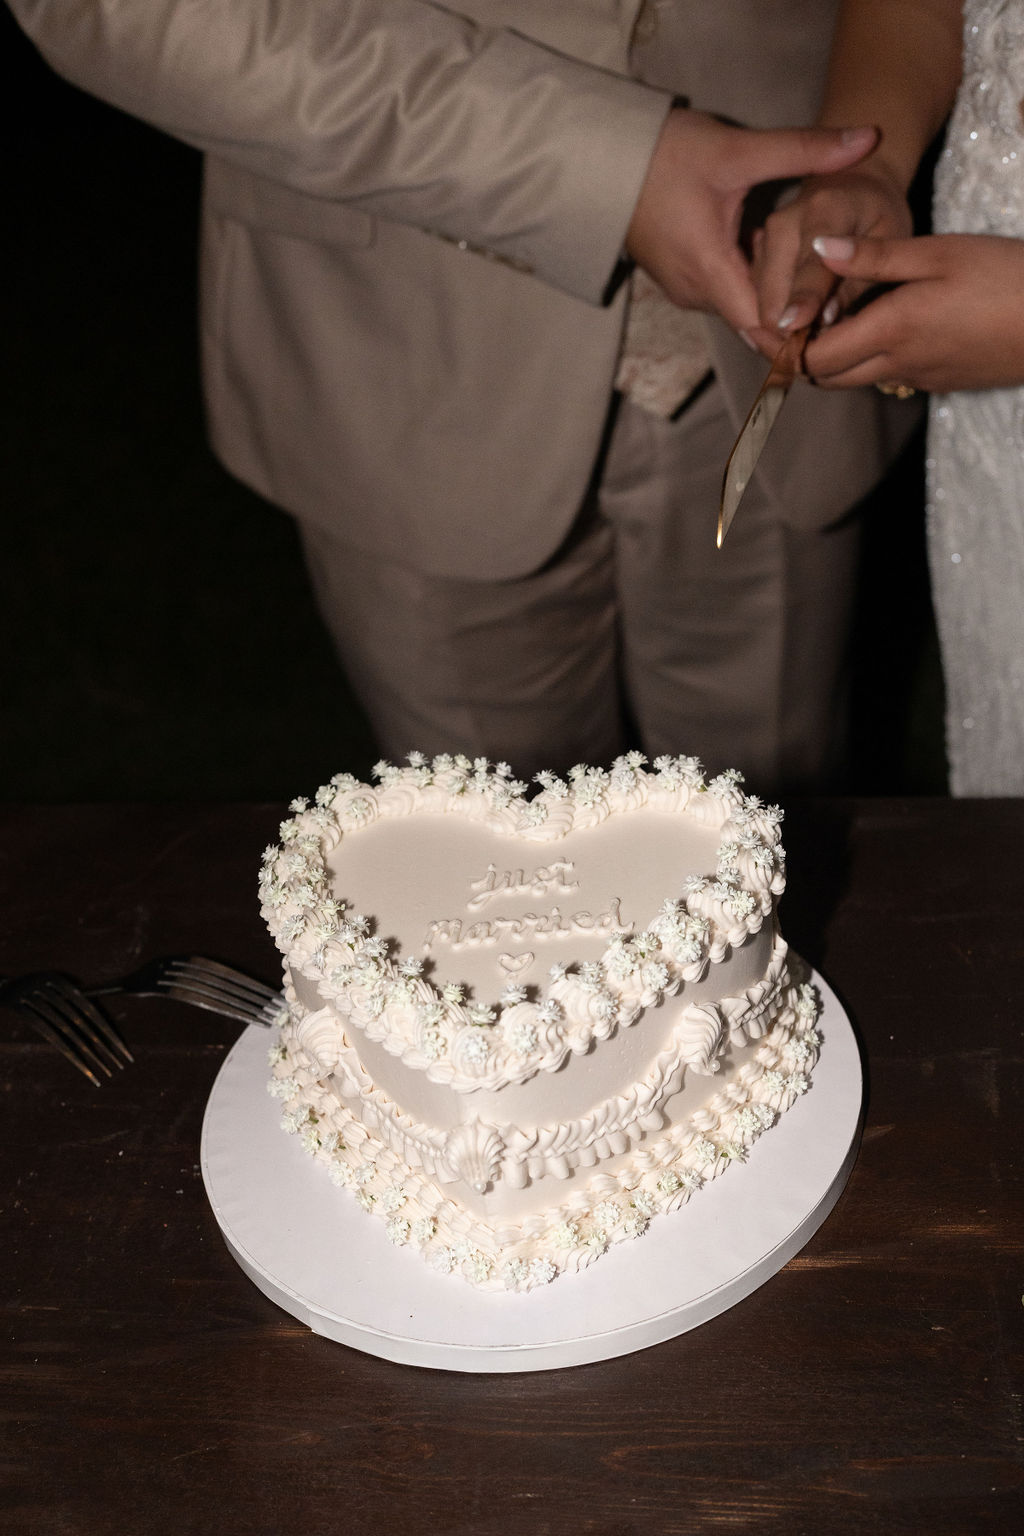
(615, 1205)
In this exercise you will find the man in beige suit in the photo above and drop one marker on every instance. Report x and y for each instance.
(414, 224)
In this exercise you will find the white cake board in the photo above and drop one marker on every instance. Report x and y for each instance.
(313, 1251)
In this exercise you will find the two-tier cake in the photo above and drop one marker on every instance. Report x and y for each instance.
(521, 1025)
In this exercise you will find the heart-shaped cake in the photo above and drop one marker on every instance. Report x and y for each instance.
(520, 1025)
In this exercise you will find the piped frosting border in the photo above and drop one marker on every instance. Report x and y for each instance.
(468, 1044)
(660, 1177)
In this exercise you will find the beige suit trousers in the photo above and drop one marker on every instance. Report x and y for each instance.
(639, 631)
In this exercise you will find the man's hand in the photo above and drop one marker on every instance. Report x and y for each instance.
(955, 320)
(685, 227)
(794, 288)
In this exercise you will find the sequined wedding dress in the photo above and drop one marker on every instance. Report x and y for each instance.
(976, 438)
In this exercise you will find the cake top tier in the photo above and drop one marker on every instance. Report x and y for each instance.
(482, 932)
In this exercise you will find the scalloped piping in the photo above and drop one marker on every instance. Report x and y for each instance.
(608, 1209)
(551, 1149)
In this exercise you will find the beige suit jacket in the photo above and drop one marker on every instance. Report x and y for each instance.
(411, 215)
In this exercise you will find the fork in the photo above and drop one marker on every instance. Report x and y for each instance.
(60, 1012)
(203, 983)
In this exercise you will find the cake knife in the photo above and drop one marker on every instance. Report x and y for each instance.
(756, 429)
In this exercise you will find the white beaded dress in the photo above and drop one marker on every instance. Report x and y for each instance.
(976, 438)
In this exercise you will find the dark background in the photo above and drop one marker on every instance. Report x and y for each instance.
(157, 634)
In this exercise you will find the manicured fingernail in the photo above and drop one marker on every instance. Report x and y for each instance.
(834, 247)
(830, 313)
(751, 343)
(787, 317)
(855, 135)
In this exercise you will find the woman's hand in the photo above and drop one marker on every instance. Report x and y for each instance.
(794, 287)
(955, 320)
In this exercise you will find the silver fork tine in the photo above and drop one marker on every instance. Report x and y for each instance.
(74, 1054)
(212, 973)
(215, 1002)
(71, 1028)
(89, 1018)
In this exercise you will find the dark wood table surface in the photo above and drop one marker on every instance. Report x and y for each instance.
(873, 1385)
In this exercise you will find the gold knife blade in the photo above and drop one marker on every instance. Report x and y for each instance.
(756, 429)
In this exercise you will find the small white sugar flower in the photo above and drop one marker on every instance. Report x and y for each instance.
(566, 1235)
(514, 1274)
(282, 1087)
(299, 805)
(643, 1201)
(522, 1038)
(797, 1083)
(340, 1174)
(423, 1230)
(476, 1049)
(773, 1081)
(655, 976)
(476, 1266)
(636, 1226)
(393, 1199)
(670, 1182)
(704, 1151)
(411, 967)
(550, 1011)
(480, 1014)
(606, 1214)
(807, 1001)
(542, 1272)
(275, 1054)
(453, 992)
(443, 1261)
(434, 1044)
(512, 994)
(397, 1230)
(556, 971)
(366, 1200)
(364, 1173)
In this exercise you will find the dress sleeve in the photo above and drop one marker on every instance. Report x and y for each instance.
(401, 108)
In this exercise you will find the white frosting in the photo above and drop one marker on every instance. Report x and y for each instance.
(520, 1009)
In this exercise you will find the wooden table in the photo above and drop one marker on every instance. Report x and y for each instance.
(873, 1385)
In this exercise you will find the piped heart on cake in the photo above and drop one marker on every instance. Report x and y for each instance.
(512, 965)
